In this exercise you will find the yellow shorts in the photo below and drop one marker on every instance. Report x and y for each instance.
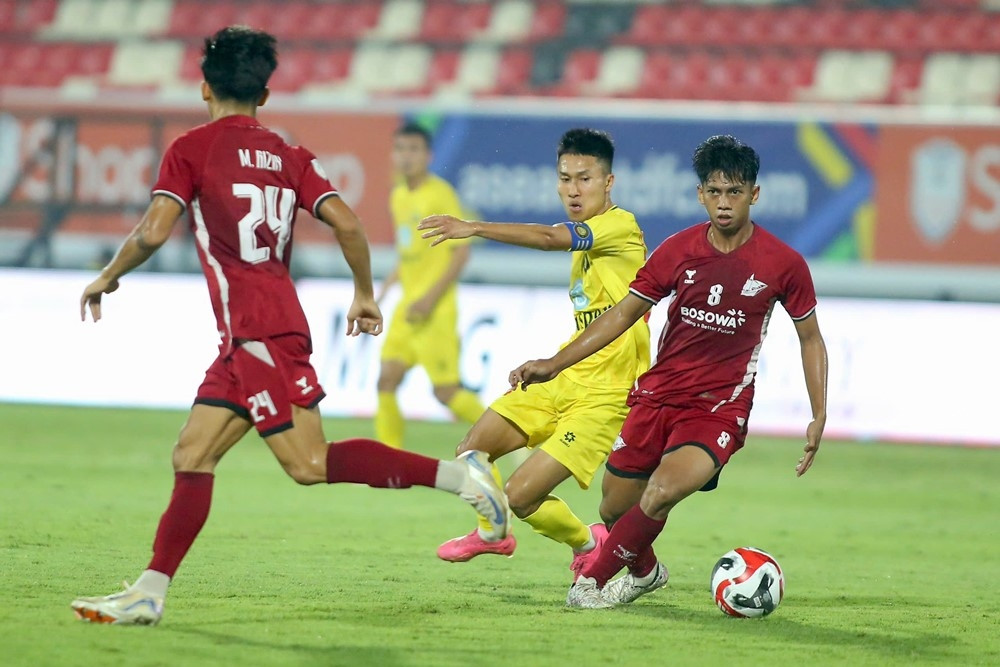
(432, 344)
(573, 424)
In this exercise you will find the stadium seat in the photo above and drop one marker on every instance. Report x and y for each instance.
(295, 69)
(619, 71)
(514, 72)
(286, 22)
(453, 22)
(579, 70)
(550, 16)
(191, 18)
(135, 63)
(398, 19)
(848, 76)
(510, 21)
(649, 26)
(953, 79)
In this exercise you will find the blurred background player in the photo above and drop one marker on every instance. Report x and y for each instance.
(689, 413)
(424, 327)
(242, 185)
(571, 423)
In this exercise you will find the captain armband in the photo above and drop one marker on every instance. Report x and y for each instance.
(582, 238)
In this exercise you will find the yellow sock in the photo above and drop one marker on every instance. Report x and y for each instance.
(556, 521)
(389, 420)
(485, 527)
(466, 406)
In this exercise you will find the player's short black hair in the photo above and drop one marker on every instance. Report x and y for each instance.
(585, 141)
(238, 61)
(727, 154)
(416, 130)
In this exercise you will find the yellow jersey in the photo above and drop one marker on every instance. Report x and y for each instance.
(421, 265)
(600, 278)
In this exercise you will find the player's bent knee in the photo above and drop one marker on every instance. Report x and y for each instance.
(305, 472)
(658, 500)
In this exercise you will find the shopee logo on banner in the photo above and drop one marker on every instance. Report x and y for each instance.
(938, 195)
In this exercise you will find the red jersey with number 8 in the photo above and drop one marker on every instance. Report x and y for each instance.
(718, 314)
(242, 185)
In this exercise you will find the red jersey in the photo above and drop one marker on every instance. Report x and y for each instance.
(242, 184)
(718, 317)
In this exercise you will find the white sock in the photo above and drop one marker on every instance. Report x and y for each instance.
(451, 476)
(649, 578)
(487, 535)
(152, 583)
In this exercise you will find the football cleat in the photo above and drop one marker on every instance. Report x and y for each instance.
(482, 492)
(580, 559)
(584, 594)
(469, 546)
(130, 607)
(624, 589)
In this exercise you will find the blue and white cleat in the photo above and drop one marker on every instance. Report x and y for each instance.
(130, 607)
(482, 492)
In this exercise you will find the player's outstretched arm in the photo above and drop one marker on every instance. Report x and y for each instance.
(440, 228)
(364, 315)
(814, 365)
(146, 238)
(598, 334)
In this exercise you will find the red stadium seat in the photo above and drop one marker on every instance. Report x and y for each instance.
(444, 66)
(514, 73)
(579, 69)
(358, 18)
(330, 65)
(549, 20)
(649, 25)
(454, 22)
(286, 21)
(295, 68)
(325, 21)
(191, 64)
(905, 82)
(191, 18)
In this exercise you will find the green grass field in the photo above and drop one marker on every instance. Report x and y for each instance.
(889, 554)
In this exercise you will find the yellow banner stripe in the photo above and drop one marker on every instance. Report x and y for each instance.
(832, 166)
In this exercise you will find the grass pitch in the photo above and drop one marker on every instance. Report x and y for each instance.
(889, 552)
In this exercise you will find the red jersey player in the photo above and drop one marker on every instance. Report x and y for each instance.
(689, 412)
(242, 184)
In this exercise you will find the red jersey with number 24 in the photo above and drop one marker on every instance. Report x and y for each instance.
(242, 185)
(717, 318)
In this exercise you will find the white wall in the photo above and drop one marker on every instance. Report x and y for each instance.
(899, 370)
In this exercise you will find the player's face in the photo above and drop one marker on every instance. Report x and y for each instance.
(584, 186)
(410, 155)
(727, 202)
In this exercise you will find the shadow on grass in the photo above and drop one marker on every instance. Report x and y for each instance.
(333, 653)
(782, 628)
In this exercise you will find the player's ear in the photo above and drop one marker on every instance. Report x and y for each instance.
(611, 182)
(206, 91)
(755, 194)
(263, 97)
(701, 195)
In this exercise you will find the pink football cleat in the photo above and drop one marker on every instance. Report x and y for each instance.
(469, 546)
(580, 559)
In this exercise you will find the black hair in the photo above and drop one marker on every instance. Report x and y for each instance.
(414, 129)
(726, 154)
(585, 141)
(237, 63)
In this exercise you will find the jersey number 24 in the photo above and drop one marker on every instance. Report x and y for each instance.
(273, 205)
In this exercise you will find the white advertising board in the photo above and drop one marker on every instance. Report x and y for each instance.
(899, 370)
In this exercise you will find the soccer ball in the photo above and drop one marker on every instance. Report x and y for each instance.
(748, 583)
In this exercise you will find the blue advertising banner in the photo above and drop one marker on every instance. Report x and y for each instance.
(812, 183)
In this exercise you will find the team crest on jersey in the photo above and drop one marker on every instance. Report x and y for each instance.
(753, 287)
(690, 276)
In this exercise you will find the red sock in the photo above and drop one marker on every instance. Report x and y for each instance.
(369, 462)
(181, 523)
(644, 563)
(626, 545)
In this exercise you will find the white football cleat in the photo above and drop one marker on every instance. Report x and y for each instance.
(624, 589)
(481, 491)
(584, 594)
(130, 607)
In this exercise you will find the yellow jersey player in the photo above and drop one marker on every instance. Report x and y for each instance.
(424, 326)
(572, 422)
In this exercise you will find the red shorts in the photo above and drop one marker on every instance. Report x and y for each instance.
(261, 380)
(649, 432)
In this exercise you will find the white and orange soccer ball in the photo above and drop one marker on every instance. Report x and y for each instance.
(748, 583)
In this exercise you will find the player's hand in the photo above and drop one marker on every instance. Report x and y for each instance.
(92, 294)
(444, 227)
(419, 311)
(814, 433)
(364, 316)
(532, 372)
